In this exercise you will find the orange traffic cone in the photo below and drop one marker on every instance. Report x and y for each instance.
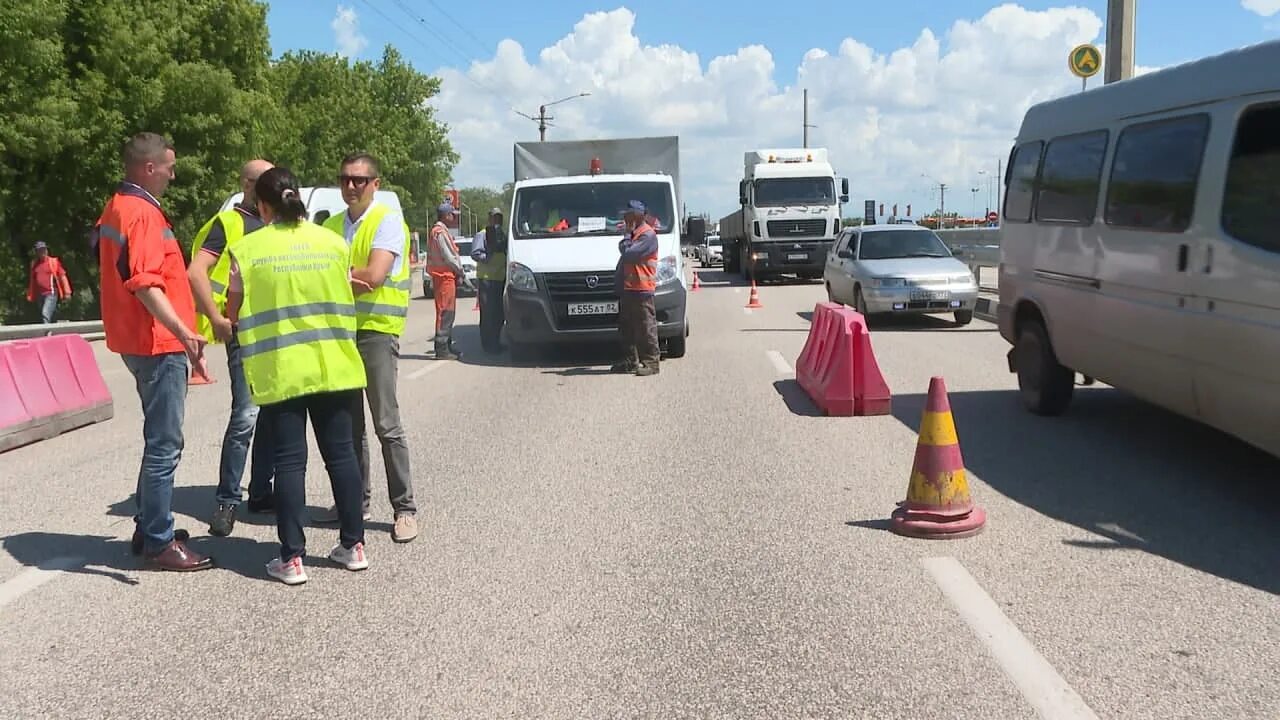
(200, 374)
(938, 503)
(696, 284)
(754, 300)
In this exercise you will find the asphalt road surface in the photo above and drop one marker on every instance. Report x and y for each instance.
(697, 544)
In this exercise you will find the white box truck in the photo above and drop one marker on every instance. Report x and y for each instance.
(565, 225)
(788, 214)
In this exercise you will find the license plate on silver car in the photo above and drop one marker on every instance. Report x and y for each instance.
(928, 295)
(600, 308)
(798, 256)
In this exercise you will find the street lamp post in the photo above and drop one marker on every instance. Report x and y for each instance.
(543, 117)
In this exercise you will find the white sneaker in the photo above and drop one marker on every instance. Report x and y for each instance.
(330, 516)
(289, 573)
(353, 559)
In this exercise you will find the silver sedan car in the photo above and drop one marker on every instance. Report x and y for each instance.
(899, 269)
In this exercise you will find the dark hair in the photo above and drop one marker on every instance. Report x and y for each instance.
(279, 190)
(144, 147)
(365, 158)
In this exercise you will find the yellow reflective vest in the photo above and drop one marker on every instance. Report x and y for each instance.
(384, 310)
(297, 324)
(233, 226)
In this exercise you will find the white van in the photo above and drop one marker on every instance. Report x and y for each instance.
(1141, 244)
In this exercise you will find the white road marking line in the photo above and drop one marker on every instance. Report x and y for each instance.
(33, 577)
(779, 362)
(435, 365)
(747, 310)
(1039, 683)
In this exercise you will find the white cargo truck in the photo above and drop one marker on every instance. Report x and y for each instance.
(788, 214)
(565, 225)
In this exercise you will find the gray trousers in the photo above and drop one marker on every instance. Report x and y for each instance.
(638, 329)
(381, 355)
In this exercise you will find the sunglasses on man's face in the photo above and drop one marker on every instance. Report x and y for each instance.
(357, 181)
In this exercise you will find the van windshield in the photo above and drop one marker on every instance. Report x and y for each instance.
(893, 244)
(588, 208)
(777, 192)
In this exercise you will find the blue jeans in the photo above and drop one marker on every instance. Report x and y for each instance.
(48, 306)
(330, 415)
(235, 442)
(162, 387)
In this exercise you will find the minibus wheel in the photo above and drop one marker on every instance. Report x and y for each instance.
(1043, 383)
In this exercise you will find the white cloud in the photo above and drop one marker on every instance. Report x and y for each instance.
(947, 106)
(346, 32)
(1265, 8)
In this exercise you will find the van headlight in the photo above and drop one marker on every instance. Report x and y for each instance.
(667, 270)
(521, 278)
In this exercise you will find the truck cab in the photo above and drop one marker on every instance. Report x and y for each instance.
(565, 228)
(788, 215)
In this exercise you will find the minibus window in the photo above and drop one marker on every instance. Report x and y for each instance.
(1068, 187)
(1251, 200)
(1155, 173)
(1023, 168)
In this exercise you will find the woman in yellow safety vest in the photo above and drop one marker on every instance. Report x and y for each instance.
(290, 297)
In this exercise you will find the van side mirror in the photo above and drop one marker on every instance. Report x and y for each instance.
(845, 254)
(742, 192)
(844, 186)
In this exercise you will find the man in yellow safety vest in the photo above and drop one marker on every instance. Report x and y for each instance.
(379, 240)
(208, 275)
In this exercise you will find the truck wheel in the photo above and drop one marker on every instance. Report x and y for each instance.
(964, 317)
(1043, 383)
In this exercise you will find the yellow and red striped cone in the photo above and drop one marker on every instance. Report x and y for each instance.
(938, 503)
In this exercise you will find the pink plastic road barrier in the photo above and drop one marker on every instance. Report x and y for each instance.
(838, 368)
(49, 386)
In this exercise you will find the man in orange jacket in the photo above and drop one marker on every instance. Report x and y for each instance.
(149, 318)
(48, 282)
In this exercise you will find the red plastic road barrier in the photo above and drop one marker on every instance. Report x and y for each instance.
(837, 367)
(49, 386)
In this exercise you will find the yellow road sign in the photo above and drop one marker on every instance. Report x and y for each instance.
(1085, 61)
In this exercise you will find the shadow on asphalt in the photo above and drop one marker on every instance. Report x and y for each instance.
(912, 323)
(796, 398)
(1137, 476)
(103, 556)
(197, 501)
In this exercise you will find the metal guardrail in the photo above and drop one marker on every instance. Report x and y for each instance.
(975, 247)
(90, 329)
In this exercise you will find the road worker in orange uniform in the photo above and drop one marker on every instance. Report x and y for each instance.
(445, 266)
(637, 279)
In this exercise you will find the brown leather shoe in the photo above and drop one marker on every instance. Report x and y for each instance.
(135, 544)
(177, 557)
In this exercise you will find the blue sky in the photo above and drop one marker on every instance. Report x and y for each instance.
(884, 89)
(1169, 31)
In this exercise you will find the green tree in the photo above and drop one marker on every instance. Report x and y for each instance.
(479, 200)
(328, 107)
(79, 77)
(107, 69)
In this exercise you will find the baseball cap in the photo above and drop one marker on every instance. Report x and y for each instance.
(635, 206)
(40, 245)
(495, 211)
(445, 208)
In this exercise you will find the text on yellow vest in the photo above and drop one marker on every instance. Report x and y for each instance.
(297, 324)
